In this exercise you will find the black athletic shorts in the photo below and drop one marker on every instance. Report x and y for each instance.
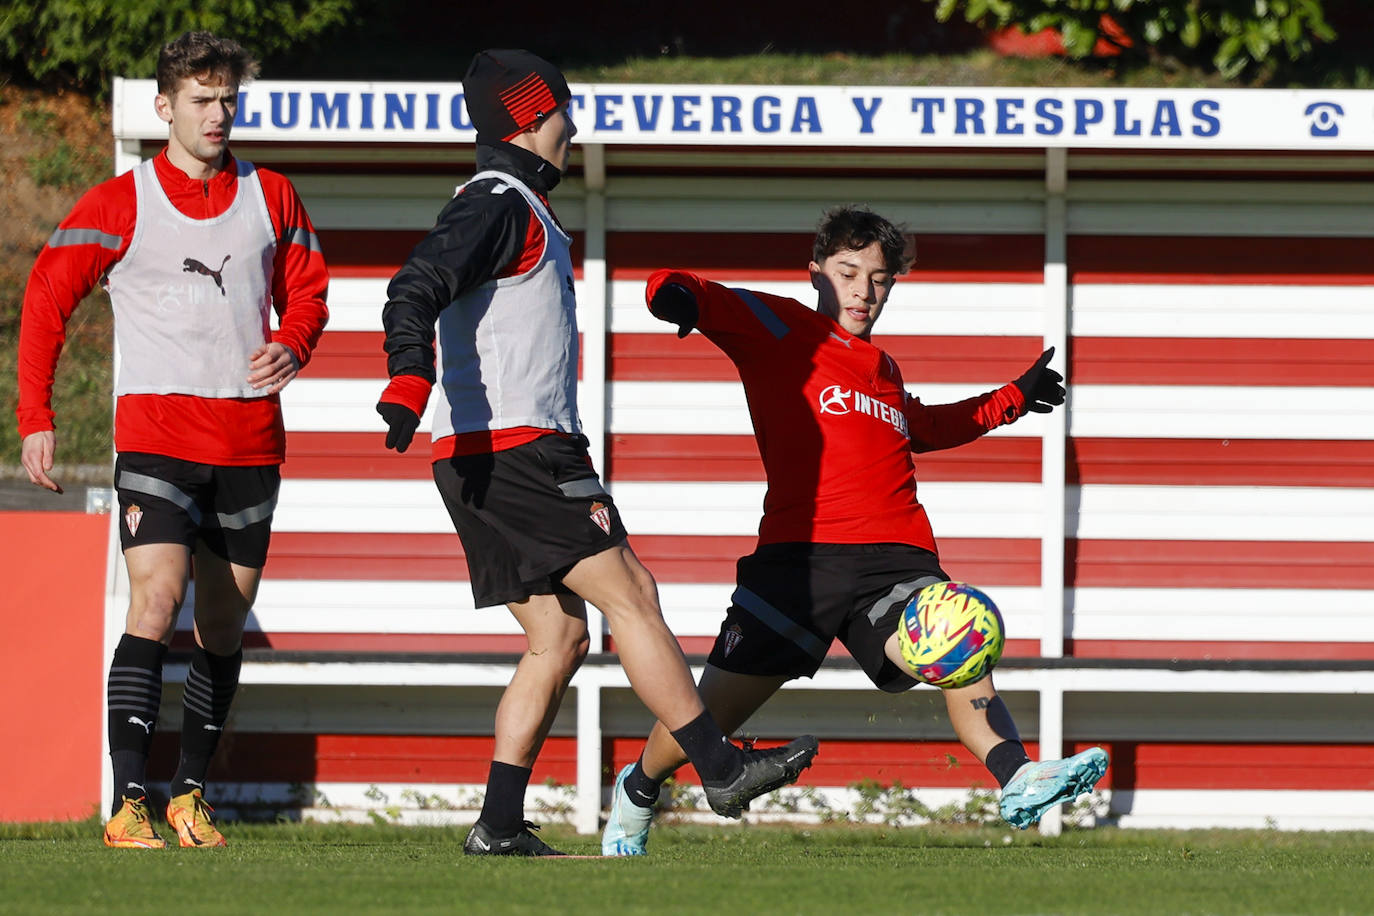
(526, 515)
(166, 500)
(793, 600)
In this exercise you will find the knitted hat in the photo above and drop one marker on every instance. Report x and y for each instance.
(508, 90)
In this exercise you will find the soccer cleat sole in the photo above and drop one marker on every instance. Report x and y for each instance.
(189, 840)
(1087, 771)
(128, 843)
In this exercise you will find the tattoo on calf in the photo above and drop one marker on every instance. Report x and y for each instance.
(980, 702)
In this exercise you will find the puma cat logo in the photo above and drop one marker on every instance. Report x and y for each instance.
(192, 266)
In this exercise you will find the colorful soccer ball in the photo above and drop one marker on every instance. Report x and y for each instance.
(950, 634)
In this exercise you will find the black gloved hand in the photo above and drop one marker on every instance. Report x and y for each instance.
(1040, 385)
(401, 422)
(675, 304)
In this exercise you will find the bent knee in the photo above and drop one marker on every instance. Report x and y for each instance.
(575, 650)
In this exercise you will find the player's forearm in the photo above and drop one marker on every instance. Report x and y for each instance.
(57, 285)
(302, 283)
(942, 426)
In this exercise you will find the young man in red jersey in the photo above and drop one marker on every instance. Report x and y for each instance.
(193, 247)
(844, 542)
(540, 533)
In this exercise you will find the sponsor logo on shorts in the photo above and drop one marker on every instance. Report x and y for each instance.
(602, 516)
(733, 637)
(132, 516)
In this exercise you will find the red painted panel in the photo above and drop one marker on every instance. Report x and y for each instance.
(52, 663)
(349, 354)
(354, 456)
(356, 555)
(1222, 462)
(1310, 261)
(1004, 561)
(784, 256)
(455, 643)
(1279, 767)
(1219, 564)
(673, 558)
(1221, 361)
(1231, 650)
(419, 760)
(648, 456)
(410, 759)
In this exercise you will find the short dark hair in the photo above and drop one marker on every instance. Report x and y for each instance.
(853, 227)
(200, 55)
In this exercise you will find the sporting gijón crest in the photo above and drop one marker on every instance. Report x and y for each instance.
(132, 516)
(733, 637)
(602, 516)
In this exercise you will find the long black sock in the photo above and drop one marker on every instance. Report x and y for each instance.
(503, 810)
(134, 691)
(640, 787)
(715, 758)
(211, 684)
(1005, 759)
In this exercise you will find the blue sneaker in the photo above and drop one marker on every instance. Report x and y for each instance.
(627, 828)
(1038, 787)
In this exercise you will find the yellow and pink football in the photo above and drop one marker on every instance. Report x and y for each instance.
(950, 634)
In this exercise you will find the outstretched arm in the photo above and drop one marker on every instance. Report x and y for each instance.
(1038, 390)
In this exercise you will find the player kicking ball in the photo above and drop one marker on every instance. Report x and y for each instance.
(844, 542)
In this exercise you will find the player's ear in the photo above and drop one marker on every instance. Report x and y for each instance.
(816, 275)
(162, 104)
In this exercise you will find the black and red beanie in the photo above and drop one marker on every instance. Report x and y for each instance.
(507, 90)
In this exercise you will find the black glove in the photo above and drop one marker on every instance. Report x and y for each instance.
(1040, 385)
(675, 304)
(401, 422)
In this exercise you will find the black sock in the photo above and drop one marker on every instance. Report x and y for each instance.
(1004, 760)
(715, 758)
(641, 789)
(503, 809)
(211, 684)
(134, 690)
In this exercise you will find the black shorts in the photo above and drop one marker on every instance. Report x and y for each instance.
(166, 500)
(793, 600)
(526, 515)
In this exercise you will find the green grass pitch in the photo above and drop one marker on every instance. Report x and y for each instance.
(726, 870)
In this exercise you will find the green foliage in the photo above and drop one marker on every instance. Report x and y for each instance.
(1236, 36)
(59, 164)
(83, 43)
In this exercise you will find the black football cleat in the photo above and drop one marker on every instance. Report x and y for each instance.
(481, 842)
(764, 771)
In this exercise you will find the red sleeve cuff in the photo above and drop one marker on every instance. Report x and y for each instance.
(410, 391)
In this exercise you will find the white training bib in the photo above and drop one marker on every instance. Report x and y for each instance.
(508, 349)
(192, 297)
